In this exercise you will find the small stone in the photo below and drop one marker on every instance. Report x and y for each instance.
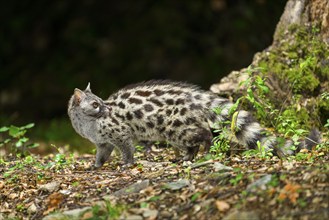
(222, 206)
(237, 214)
(221, 167)
(32, 208)
(259, 184)
(70, 214)
(133, 188)
(65, 192)
(165, 214)
(50, 187)
(177, 184)
(149, 213)
(133, 217)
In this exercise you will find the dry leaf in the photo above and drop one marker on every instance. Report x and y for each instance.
(222, 206)
(290, 191)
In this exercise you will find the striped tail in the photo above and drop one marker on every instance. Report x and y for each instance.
(248, 132)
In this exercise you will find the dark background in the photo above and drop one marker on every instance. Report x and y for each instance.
(47, 48)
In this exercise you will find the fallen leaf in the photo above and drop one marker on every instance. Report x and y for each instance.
(54, 200)
(290, 191)
(222, 206)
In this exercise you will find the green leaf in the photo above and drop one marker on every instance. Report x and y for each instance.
(19, 143)
(23, 139)
(195, 196)
(264, 88)
(27, 126)
(4, 129)
(16, 131)
(34, 145)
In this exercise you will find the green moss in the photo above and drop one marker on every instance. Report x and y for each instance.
(300, 57)
(292, 120)
(298, 61)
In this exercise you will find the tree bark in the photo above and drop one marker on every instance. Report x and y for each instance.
(295, 66)
(296, 12)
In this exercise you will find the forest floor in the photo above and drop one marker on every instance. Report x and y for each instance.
(62, 186)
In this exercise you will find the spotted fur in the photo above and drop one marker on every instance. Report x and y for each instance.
(174, 112)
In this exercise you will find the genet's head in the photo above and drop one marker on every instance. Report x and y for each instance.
(87, 103)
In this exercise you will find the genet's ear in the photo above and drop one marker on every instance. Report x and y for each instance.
(78, 95)
(88, 88)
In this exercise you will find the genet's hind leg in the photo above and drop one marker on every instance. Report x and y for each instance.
(194, 139)
(191, 153)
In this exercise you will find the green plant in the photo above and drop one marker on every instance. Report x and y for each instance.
(221, 144)
(238, 177)
(256, 93)
(187, 172)
(17, 140)
(139, 148)
(109, 211)
(260, 152)
(60, 160)
(195, 196)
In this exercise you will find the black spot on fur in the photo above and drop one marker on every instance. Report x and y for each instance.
(176, 111)
(125, 95)
(156, 102)
(139, 114)
(195, 106)
(120, 116)
(135, 101)
(143, 93)
(190, 121)
(114, 121)
(129, 116)
(150, 124)
(174, 92)
(159, 92)
(148, 107)
(160, 119)
(182, 134)
(121, 105)
(183, 111)
(171, 133)
(197, 97)
(177, 123)
(168, 112)
(111, 103)
(170, 101)
(162, 129)
(180, 102)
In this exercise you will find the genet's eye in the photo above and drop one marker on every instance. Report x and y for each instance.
(95, 104)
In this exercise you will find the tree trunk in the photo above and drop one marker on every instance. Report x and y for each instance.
(297, 62)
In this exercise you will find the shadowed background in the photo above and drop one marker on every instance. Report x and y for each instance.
(47, 48)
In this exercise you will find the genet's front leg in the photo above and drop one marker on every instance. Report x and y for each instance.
(127, 150)
(103, 153)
